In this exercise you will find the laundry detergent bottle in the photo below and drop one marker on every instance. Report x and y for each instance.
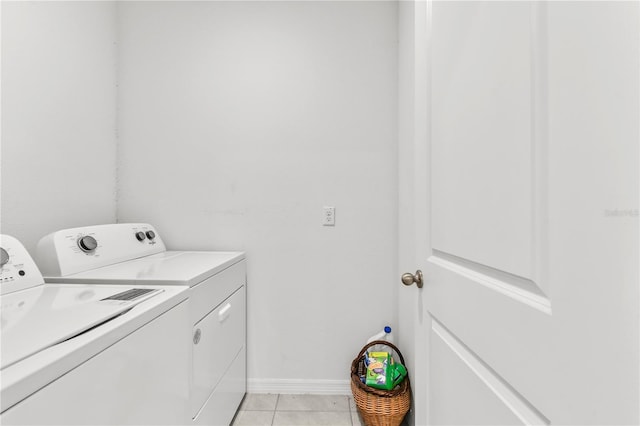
(385, 334)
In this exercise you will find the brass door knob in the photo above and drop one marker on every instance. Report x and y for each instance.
(408, 278)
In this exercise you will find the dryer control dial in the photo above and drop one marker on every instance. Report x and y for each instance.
(4, 257)
(87, 243)
(151, 235)
(140, 236)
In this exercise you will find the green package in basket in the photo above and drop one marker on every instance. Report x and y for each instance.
(382, 372)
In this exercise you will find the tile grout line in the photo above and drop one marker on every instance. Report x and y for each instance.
(275, 409)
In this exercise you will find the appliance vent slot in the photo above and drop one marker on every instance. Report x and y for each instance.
(132, 294)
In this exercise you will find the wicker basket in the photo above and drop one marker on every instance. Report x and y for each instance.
(376, 406)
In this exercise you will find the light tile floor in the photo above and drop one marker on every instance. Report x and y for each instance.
(297, 410)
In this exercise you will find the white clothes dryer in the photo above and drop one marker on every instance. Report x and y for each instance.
(134, 254)
(89, 354)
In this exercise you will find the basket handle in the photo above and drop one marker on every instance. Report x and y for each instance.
(381, 342)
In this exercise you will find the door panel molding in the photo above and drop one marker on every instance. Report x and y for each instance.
(539, 145)
(512, 399)
(518, 288)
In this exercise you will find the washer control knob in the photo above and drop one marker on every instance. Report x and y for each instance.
(140, 236)
(151, 235)
(4, 257)
(87, 243)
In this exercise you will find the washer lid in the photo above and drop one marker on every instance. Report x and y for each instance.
(43, 316)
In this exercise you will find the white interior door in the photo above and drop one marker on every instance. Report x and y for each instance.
(526, 212)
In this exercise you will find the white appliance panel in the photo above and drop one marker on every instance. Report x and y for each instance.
(23, 378)
(121, 385)
(18, 271)
(40, 317)
(60, 253)
(211, 292)
(218, 338)
(227, 396)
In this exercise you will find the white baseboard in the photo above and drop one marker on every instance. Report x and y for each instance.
(299, 386)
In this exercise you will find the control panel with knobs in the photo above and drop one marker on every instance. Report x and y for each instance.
(141, 236)
(74, 250)
(18, 271)
(87, 243)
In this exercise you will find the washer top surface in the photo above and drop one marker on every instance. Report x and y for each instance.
(186, 268)
(40, 317)
(47, 330)
(51, 329)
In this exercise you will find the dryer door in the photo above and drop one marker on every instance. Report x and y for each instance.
(217, 340)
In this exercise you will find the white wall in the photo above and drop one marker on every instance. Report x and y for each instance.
(58, 116)
(238, 122)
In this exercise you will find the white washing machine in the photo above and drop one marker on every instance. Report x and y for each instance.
(89, 354)
(134, 254)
